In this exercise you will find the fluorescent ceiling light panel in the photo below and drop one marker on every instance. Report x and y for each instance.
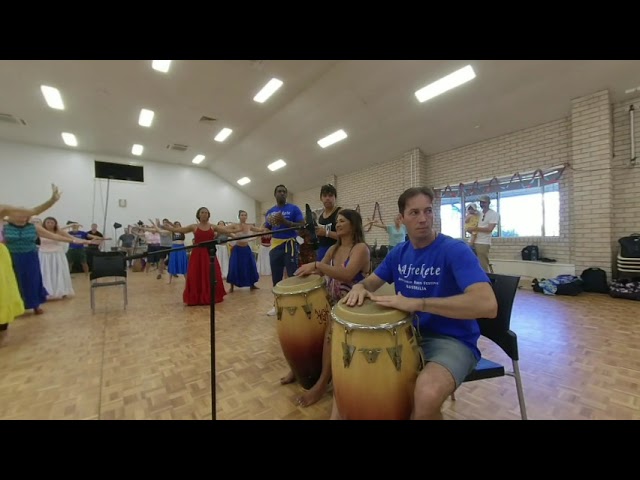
(244, 180)
(198, 159)
(70, 139)
(333, 138)
(268, 90)
(223, 134)
(276, 165)
(146, 117)
(452, 80)
(161, 65)
(137, 149)
(52, 97)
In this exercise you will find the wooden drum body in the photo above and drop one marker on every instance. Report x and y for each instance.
(303, 312)
(375, 361)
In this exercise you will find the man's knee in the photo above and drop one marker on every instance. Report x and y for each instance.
(433, 386)
(429, 395)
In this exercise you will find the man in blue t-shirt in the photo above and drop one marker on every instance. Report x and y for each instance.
(441, 280)
(284, 247)
(77, 253)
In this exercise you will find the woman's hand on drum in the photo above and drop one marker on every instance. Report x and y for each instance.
(399, 302)
(356, 296)
(306, 269)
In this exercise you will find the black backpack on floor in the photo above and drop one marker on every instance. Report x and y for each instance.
(594, 280)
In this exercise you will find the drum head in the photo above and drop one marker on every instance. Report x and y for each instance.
(296, 284)
(369, 315)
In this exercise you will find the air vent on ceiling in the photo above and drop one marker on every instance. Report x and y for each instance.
(8, 118)
(207, 120)
(178, 147)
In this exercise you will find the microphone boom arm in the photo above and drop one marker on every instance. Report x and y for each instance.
(212, 242)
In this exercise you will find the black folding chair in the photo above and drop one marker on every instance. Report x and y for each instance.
(498, 331)
(108, 264)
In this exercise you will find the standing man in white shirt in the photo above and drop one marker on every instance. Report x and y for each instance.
(487, 223)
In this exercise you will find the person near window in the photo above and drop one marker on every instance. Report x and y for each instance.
(471, 220)
(486, 225)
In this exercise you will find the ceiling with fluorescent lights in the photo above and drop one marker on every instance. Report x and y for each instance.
(373, 101)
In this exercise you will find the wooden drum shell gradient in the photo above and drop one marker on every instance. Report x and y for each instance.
(303, 314)
(375, 361)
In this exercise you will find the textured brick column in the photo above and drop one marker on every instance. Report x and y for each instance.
(591, 158)
(414, 163)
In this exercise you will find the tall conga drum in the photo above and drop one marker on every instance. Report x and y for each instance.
(375, 361)
(303, 312)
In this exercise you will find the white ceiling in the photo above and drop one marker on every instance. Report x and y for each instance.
(372, 100)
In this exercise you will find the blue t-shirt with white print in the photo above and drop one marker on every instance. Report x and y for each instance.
(444, 268)
(290, 212)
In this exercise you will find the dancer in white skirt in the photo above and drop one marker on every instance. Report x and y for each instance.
(54, 266)
(222, 252)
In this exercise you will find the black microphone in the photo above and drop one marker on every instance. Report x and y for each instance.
(310, 226)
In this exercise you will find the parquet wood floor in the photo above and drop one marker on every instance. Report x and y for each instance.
(580, 359)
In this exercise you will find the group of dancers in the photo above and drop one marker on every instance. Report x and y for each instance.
(30, 274)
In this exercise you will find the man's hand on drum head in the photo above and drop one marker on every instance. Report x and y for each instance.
(399, 302)
(306, 269)
(356, 296)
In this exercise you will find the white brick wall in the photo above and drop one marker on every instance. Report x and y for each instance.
(593, 214)
(312, 197)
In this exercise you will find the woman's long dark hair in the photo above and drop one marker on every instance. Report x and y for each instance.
(356, 225)
(55, 226)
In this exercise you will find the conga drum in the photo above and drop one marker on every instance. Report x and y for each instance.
(303, 312)
(375, 361)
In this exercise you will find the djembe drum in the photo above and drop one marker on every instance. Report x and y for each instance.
(375, 361)
(303, 312)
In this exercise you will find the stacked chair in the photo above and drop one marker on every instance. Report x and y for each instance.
(628, 260)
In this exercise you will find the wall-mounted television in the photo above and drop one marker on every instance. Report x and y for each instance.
(119, 171)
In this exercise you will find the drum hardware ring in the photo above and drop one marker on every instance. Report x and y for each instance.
(297, 292)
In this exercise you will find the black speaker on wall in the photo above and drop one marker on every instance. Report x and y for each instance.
(119, 171)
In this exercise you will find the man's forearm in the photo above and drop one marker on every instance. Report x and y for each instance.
(470, 305)
(371, 283)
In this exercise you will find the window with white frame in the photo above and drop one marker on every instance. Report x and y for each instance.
(528, 205)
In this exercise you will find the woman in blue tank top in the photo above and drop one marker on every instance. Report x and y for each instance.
(345, 264)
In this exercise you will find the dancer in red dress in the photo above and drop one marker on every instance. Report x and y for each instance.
(197, 290)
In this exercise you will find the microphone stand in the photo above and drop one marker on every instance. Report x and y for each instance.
(211, 245)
